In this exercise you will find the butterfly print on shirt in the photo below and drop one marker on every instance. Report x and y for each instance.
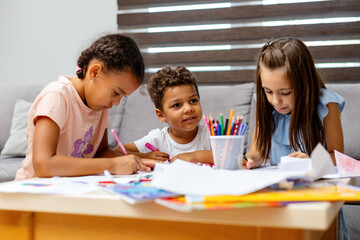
(83, 146)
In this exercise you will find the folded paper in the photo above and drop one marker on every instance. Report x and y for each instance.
(347, 166)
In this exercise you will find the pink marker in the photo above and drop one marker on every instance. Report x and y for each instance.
(151, 147)
(119, 142)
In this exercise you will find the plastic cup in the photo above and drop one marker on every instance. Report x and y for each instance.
(227, 151)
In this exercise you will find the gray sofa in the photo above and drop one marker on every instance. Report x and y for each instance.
(135, 116)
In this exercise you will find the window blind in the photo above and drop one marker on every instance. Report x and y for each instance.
(219, 41)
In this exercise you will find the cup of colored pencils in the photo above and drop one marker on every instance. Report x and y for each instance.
(227, 140)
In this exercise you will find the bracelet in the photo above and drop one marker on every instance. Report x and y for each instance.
(244, 156)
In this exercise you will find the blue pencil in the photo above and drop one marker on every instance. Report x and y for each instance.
(243, 129)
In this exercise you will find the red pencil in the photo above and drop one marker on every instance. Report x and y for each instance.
(236, 128)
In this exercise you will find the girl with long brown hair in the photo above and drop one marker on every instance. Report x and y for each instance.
(294, 111)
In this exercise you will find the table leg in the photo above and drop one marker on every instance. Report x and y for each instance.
(16, 225)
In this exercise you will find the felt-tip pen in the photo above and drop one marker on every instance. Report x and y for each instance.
(119, 142)
(151, 147)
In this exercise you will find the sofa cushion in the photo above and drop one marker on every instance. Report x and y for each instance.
(9, 92)
(115, 117)
(252, 123)
(221, 99)
(139, 115)
(9, 166)
(349, 116)
(17, 143)
(352, 218)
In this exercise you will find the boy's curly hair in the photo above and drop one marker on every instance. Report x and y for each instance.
(169, 77)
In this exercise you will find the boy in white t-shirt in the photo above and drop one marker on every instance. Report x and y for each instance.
(175, 94)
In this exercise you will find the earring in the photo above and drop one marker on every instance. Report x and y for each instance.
(92, 78)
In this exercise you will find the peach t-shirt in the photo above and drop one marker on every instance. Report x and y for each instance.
(81, 129)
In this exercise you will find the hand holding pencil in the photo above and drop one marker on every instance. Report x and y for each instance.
(249, 162)
(157, 156)
(155, 153)
(127, 164)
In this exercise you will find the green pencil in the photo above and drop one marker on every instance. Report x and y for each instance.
(222, 123)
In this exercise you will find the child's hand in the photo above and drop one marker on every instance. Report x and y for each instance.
(298, 155)
(160, 156)
(202, 156)
(188, 157)
(128, 164)
(150, 162)
(249, 164)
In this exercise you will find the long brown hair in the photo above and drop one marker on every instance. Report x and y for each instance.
(306, 129)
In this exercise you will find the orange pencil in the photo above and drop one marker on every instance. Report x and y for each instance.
(211, 125)
(230, 121)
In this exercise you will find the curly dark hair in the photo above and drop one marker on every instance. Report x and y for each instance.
(169, 77)
(117, 52)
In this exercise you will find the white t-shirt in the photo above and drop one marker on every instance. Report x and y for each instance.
(163, 141)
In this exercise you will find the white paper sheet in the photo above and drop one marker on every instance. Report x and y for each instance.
(321, 161)
(74, 186)
(49, 186)
(186, 178)
(319, 165)
(295, 164)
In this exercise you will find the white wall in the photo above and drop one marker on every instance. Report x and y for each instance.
(41, 39)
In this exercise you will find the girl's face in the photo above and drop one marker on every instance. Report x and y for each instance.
(277, 88)
(181, 108)
(107, 89)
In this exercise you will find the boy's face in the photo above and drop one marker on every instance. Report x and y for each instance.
(181, 108)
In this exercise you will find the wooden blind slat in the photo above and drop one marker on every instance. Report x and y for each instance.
(321, 52)
(328, 75)
(340, 74)
(245, 12)
(223, 77)
(203, 56)
(249, 33)
(122, 3)
(350, 51)
(179, 42)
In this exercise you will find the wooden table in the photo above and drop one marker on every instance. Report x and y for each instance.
(104, 216)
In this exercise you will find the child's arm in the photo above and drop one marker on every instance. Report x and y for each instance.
(333, 130)
(47, 163)
(131, 148)
(333, 133)
(253, 156)
(204, 156)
